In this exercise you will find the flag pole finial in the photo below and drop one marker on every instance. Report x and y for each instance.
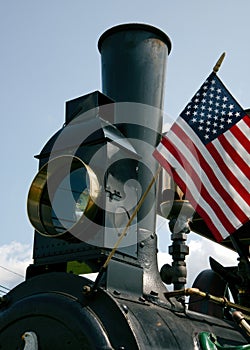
(219, 62)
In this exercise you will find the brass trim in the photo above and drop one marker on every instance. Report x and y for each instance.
(50, 176)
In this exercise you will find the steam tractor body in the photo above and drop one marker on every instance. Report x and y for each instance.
(92, 174)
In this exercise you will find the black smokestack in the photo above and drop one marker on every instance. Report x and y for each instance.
(134, 60)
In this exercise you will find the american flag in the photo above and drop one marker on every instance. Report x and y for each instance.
(207, 151)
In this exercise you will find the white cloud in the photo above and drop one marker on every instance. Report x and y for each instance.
(14, 259)
(200, 249)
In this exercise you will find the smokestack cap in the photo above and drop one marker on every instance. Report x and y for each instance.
(135, 26)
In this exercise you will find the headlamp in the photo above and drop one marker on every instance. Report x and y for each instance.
(62, 196)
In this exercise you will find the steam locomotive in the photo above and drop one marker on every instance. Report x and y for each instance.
(92, 174)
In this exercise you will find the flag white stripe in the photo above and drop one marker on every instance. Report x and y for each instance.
(210, 160)
(231, 165)
(179, 144)
(193, 189)
(244, 128)
(238, 146)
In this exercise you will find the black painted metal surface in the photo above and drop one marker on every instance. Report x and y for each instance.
(55, 307)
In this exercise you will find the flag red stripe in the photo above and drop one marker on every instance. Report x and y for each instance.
(199, 185)
(242, 191)
(229, 149)
(210, 224)
(164, 163)
(246, 119)
(182, 185)
(212, 176)
(240, 136)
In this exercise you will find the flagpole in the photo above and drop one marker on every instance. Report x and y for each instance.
(111, 254)
(219, 62)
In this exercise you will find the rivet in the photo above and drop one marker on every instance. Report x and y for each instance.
(86, 289)
(116, 292)
(155, 294)
(125, 308)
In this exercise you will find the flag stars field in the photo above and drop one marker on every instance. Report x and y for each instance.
(203, 108)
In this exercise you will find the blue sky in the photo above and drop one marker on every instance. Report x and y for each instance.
(49, 55)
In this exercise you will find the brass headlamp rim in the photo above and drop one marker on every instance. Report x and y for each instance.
(38, 186)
